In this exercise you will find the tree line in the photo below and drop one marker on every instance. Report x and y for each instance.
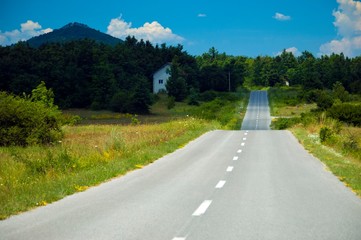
(85, 73)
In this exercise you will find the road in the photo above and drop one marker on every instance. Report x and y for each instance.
(224, 185)
(258, 114)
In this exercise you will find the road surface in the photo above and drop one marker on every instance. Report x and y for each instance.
(224, 185)
(258, 114)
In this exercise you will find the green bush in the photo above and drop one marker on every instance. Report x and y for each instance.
(219, 109)
(346, 112)
(170, 102)
(25, 122)
(325, 134)
(324, 100)
(284, 123)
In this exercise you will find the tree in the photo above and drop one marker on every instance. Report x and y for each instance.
(176, 85)
(339, 92)
(43, 95)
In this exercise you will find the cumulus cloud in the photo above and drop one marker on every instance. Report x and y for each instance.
(281, 17)
(202, 15)
(292, 50)
(153, 32)
(348, 24)
(27, 30)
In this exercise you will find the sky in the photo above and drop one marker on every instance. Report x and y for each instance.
(236, 27)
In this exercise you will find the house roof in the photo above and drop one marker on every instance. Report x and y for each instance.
(161, 68)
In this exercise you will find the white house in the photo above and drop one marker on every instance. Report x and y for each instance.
(160, 78)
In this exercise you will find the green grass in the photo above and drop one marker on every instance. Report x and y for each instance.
(286, 102)
(344, 166)
(105, 145)
(87, 156)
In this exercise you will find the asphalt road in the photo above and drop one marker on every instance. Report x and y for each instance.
(224, 185)
(258, 114)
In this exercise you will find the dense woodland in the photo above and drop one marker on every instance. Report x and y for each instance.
(87, 74)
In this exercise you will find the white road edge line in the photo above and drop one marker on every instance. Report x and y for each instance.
(202, 208)
(220, 184)
(235, 158)
(229, 169)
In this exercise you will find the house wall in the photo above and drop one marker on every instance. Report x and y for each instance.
(162, 75)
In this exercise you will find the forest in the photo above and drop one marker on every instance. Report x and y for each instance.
(88, 74)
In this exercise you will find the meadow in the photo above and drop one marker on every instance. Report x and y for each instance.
(104, 145)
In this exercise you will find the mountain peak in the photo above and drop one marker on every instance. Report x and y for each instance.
(72, 32)
(75, 24)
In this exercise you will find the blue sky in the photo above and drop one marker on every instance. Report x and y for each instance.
(237, 27)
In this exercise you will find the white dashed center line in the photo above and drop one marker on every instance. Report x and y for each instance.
(242, 144)
(244, 139)
(202, 208)
(239, 151)
(220, 184)
(229, 169)
(235, 158)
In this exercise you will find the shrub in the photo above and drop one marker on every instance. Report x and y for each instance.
(325, 134)
(346, 112)
(284, 123)
(208, 96)
(24, 122)
(170, 102)
(324, 100)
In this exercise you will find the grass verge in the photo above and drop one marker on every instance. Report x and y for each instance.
(88, 155)
(346, 168)
(104, 146)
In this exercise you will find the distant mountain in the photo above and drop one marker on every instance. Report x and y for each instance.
(73, 31)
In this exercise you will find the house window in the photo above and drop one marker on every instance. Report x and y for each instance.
(160, 81)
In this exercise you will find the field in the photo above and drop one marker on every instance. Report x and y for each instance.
(103, 146)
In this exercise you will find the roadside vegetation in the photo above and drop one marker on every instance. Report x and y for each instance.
(93, 147)
(112, 123)
(327, 123)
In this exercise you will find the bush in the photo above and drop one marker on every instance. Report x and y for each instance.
(346, 112)
(284, 123)
(325, 134)
(170, 102)
(219, 109)
(24, 122)
(208, 96)
(324, 100)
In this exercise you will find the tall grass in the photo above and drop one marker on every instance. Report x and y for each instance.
(288, 102)
(91, 154)
(88, 155)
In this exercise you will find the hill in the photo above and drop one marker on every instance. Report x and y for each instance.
(73, 31)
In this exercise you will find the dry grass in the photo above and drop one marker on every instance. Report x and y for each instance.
(88, 155)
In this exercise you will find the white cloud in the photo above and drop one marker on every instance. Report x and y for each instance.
(28, 30)
(202, 15)
(281, 17)
(153, 32)
(292, 50)
(348, 24)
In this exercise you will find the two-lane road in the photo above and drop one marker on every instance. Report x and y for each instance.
(224, 185)
(258, 114)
